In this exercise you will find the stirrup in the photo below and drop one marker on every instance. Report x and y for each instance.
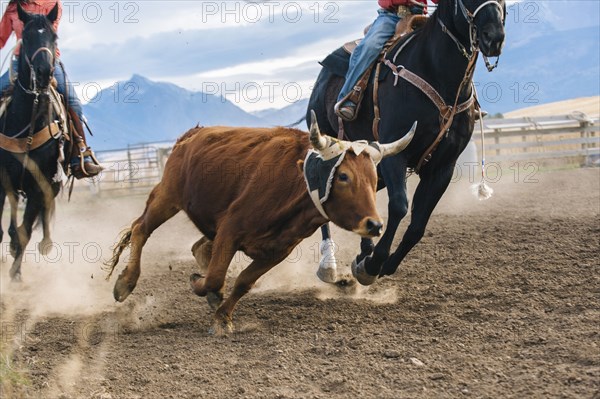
(347, 113)
(93, 168)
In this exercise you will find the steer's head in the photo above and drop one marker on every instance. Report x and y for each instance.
(342, 179)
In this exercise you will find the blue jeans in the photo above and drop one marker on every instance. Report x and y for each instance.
(369, 48)
(63, 85)
(5, 78)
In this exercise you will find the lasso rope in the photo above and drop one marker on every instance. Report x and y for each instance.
(482, 191)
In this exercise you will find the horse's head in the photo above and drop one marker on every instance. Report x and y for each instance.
(485, 19)
(38, 49)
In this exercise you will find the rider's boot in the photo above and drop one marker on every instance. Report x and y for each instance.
(83, 161)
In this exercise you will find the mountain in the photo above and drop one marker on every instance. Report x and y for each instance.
(140, 110)
(284, 116)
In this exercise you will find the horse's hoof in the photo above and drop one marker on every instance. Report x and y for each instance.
(327, 274)
(16, 278)
(122, 289)
(214, 300)
(44, 247)
(360, 273)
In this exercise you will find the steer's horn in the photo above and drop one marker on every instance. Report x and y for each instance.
(387, 150)
(316, 139)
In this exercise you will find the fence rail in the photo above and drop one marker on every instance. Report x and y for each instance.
(566, 139)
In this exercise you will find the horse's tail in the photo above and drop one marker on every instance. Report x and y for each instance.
(299, 121)
(118, 249)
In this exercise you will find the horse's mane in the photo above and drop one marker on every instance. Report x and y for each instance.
(443, 8)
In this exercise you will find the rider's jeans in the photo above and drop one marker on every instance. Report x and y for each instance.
(369, 48)
(5, 78)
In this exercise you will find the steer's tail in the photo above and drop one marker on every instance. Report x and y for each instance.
(118, 249)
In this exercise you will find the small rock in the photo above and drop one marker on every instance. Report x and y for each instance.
(437, 376)
(391, 354)
(416, 362)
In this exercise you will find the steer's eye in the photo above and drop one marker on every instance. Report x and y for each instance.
(344, 178)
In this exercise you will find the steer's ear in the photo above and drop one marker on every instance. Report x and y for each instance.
(300, 165)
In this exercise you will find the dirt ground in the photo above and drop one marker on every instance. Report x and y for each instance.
(500, 299)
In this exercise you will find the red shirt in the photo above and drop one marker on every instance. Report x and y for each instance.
(11, 23)
(389, 4)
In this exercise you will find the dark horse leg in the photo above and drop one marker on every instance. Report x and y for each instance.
(32, 210)
(428, 193)
(47, 211)
(366, 268)
(13, 201)
(2, 199)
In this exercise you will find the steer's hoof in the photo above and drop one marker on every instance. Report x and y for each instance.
(360, 273)
(197, 285)
(221, 327)
(214, 300)
(122, 289)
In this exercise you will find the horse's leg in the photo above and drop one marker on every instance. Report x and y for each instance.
(45, 245)
(328, 264)
(159, 208)
(243, 284)
(428, 193)
(13, 201)
(366, 268)
(32, 211)
(2, 199)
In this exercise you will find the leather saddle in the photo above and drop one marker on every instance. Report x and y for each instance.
(406, 25)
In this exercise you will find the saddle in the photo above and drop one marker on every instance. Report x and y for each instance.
(406, 25)
(56, 130)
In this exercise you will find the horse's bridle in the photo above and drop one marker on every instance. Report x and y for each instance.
(470, 18)
(35, 91)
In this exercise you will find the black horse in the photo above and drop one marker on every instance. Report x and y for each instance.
(443, 53)
(28, 158)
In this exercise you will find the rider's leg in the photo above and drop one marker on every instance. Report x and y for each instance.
(5, 78)
(66, 89)
(363, 56)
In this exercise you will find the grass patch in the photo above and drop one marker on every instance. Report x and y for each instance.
(13, 381)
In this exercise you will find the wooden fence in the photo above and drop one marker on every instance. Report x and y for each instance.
(557, 140)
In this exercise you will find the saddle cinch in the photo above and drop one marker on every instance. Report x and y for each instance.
(65, 129)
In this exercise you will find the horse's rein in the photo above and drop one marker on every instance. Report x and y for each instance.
(36, 92)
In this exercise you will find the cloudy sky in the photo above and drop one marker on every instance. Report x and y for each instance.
(259, 54)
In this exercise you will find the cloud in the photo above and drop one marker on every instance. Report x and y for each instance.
(189, 42)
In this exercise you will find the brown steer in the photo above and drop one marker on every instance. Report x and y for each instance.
(244, 189)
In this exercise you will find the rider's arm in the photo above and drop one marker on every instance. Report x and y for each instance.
(5, 27)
